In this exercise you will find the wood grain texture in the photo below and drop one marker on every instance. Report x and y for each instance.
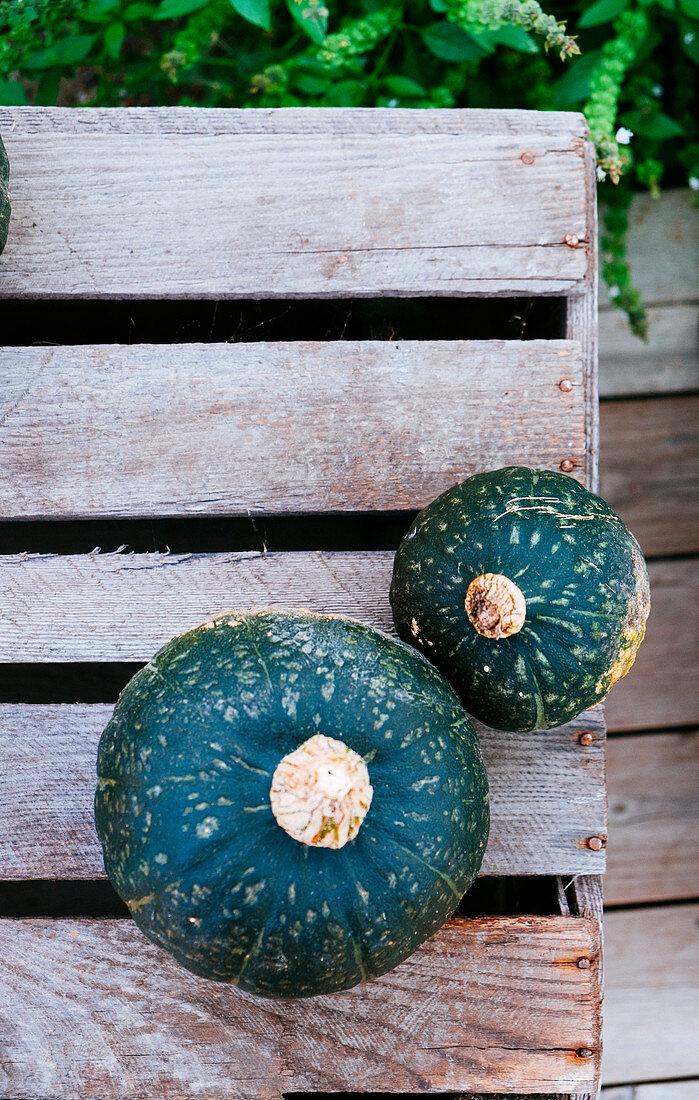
(90, 1008)
(581, 325)
(661, 689)
(653, 817)
(547, 795)
(295, 204)
(220, 429)
(663, 247)
(668, 363)
(650, 470)
(651, 1000)
(666, 1090)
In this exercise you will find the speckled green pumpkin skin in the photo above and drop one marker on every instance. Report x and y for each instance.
(580, 570)
(183, 814)
(4, 201)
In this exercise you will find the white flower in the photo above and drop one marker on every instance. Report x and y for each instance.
(392, 103)
(601, 174)
(688, 38)
(614, 292)
(623, 135)
(693, 182)
(657, 90)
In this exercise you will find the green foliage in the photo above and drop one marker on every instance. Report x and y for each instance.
(634, 78)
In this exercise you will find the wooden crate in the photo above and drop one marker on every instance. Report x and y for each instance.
(278, 205)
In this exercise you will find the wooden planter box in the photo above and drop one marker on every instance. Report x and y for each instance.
(270, 206)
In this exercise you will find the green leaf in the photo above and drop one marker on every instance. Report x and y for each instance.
(603, 11)
(47, 92)
(99, 11)
(346, 93)
(311, 85)
(653, 125)
(114, 39)
(12, 94)
(312, 15)
(255, 11)
(403, 86)
(516, 38)
(173, 9)
(574, 86)
(690, 42)
(690, 8)
(135, 12)
(439, 5)
(68, 51)
(451, 43)
(669, 5)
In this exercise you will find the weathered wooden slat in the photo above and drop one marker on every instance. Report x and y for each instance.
(237, 428)
(292, 204)
(668, 363)
(547, 795)
(651, 1002)
(123, 607)
(92, 1008)
(650, 470)
(653, 817)
(661, 688)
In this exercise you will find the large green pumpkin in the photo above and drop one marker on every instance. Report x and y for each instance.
(527, 591)
(4, 201)
(191, 835)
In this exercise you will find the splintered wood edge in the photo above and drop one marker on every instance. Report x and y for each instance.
(493, 1003)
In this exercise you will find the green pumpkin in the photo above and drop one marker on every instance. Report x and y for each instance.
(189, 801)
(4, 201)
(527, 591)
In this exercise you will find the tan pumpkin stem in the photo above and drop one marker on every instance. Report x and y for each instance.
(321, 793)
(495, 606)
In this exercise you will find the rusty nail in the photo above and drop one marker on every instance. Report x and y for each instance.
(584, 964)
(596, 843)
(527, 158)
(567, 465)
(586, 738)
(572, 240)
(584, 1052)
(565, 385)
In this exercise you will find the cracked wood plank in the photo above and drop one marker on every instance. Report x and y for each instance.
(547, 795)
(512, 1013)
(316, 203)
(221, 429)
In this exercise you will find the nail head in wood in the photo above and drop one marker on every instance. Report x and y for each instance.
(585, 1052)
(567, 465)
(572, 240)
(565, 385)
(586, 738)
(596, 843)
(527, 158)
(584, 963)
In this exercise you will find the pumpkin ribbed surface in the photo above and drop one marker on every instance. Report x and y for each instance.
(4, 201)
(527, 591)
(183, 807)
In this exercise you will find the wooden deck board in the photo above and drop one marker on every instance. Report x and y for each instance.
(92, 1008)
(649, 465)
(651, 1001)
(653, 817)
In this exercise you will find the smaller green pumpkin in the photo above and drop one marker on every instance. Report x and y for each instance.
(4, 200)
(290, 802)
(526, 591)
